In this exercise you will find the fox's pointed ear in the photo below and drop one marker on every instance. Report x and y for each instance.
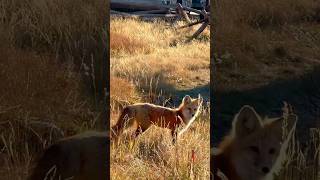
(187, 99)
(246, 122)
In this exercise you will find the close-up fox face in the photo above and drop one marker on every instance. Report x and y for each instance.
(190, 107)
(257, 145)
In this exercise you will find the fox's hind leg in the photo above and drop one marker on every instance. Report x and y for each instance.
(139, 131)
(141, 128)
(174, 134)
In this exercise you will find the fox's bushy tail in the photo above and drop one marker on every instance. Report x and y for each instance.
(118, 128)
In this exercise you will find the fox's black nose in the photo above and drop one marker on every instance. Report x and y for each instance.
(265, 170)
(192, 115)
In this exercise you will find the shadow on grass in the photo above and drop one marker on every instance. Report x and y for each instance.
(158, 91)
(303, 93)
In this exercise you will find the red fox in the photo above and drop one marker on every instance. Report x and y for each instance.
(143, 115)
(255, 149)
(80, 157)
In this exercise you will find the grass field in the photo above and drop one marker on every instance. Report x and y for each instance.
(260, 49)
(257, 42)
(49, 52)
(152, 62)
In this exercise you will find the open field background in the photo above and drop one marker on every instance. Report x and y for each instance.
(266, 52)
(50, 54)
(152, 62)
(262, 41)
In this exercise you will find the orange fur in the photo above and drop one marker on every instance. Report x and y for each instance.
(222, 161)
(254, 149)
(144, 115)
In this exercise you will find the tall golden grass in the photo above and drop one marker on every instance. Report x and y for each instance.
(260, 41)
(50, 57)
(152, 62)
(158, 52)
(256, 42)
(303, 159)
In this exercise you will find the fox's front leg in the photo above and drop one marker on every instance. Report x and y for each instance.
(174, 134)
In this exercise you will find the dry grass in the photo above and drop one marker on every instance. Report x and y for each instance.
(161, 54)
(151, 62)
(36, 89)
(153, 155)
(303, 159)
(260, 41)
(257, 42)
(71, 31)
(48, 56)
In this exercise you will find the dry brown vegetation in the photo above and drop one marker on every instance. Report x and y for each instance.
(141, 51)
(49, 54)
(258, 41)
(152, 62)
(302, 162)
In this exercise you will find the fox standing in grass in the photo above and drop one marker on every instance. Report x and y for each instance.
(143, 115)
(255, 149)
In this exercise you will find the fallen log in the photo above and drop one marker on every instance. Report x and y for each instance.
(193, 10)
(199, 31)
(157, 11)
(183, 13)
(156, 15)
(118, 13)
(203, 12)
(134, 6)
(192, 24)
(137, 15)
(148, 10)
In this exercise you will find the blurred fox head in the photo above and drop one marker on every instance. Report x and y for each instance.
(190, 107)
(256, 145)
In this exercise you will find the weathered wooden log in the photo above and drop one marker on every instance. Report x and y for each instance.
(156, 15)
(183, 13)
(193, 10)
(134, 6)
(194, 23)
(157, 11)
(137, 15)
(199, 31)
(112, 12)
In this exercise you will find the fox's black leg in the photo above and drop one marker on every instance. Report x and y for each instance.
(174, 136)
(139, 131)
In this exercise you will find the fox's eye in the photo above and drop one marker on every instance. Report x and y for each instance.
(272, 151)
(195, 109)
(254, 149)
(190, 109)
